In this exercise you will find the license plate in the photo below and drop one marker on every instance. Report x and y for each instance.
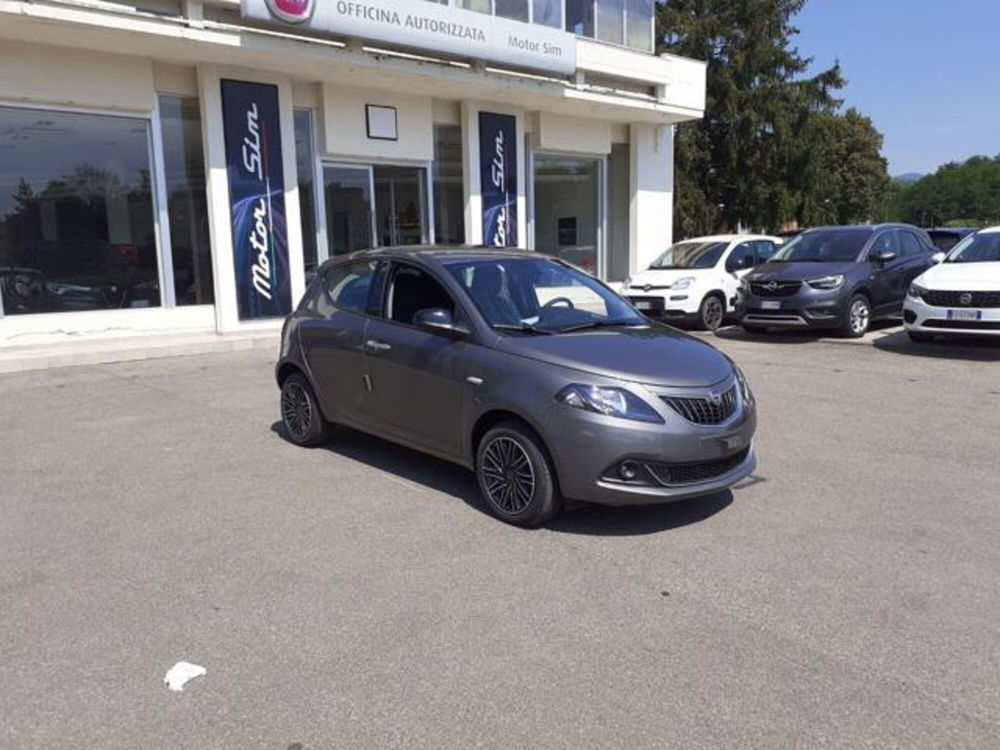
(770, 305)
(965, 315)
(644, 304)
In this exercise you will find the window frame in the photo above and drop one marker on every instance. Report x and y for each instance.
(325, 286)
(157, 187)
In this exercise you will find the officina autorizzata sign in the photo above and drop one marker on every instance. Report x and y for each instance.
(418, 24)
(257, 198)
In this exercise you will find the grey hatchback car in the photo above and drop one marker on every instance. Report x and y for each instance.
(520, 367)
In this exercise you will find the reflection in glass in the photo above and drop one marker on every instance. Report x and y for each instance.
(184, 162)
(348, 208)
(639, 24)
(304, 164)
(580, 17)
(611, 21)
(547, 13)
(76, 213)
(449, 196)
(516, 9)
(567, 209)
(400, 205)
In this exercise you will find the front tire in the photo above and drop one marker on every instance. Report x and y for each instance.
(515, 477)
(858, 318)
(711, 313)
(304, 422)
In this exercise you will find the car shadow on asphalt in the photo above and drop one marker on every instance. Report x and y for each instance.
(580, 518)
(967, 348)
(794, 335)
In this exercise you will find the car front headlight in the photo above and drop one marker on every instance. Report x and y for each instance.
(683, 283)
(827, 283)
(916, 291)
(749, 402)
(613, 402)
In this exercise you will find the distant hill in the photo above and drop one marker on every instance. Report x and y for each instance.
(909, 177)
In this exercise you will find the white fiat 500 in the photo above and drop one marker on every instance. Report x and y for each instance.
(695, 281)
(960, 295)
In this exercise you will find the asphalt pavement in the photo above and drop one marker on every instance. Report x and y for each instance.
(357, 596)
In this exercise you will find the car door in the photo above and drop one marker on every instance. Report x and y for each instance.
(333, 340)
(741, 261)
(417, 376)
(920, 256)
(887, 277)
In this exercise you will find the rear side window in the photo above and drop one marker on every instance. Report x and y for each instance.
(349, 286)
(911, 246)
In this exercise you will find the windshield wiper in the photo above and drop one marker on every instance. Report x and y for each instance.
(522, 328)
(600, 324)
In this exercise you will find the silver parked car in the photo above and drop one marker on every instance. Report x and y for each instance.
(520, 367)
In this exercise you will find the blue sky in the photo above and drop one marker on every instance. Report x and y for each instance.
(926, 71)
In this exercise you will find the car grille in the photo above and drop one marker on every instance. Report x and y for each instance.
(965, 325)
(704, 410)
(938, 298)
(672, 475)
(781, 289)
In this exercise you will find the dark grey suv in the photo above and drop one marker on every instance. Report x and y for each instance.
(839, 278)
(520, 367)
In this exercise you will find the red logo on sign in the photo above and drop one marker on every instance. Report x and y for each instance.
(292, 11)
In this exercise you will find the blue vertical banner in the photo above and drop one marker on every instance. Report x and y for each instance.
(252, 123)
(498, 178)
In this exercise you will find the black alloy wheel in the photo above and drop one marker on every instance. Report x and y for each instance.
(304, 423)
(712, 313)
(515, 477)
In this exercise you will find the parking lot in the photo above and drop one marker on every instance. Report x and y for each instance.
(357, 596)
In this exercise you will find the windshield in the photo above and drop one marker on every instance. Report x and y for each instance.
(691, 255)
(539, 295)
(979, 248)
(824, 246)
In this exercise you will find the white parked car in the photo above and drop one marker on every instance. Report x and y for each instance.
(959, 295)
(695, 281)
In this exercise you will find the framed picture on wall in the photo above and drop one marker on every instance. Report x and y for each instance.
(382, 123)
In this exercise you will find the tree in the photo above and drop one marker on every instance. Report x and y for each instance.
(771, 147)
(966, 193)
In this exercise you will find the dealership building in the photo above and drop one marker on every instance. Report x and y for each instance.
(178, 167)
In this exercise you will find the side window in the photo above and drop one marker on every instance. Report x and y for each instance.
(765, 249)
(413, 290)
(887, 242)
(348, 286)
(741, 258)
(910, 245)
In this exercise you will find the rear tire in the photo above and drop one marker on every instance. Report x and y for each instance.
(515, 476)
(304, 423)
(712, 313)
(919, 337)
(858, 318)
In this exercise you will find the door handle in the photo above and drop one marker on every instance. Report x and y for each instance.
(377, 346)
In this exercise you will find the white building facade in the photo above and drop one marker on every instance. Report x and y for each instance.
(184, 165)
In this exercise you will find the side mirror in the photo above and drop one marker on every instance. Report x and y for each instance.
(938, 258)
(882, 256)
(438, 320)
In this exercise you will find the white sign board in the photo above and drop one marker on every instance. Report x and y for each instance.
(419, 24)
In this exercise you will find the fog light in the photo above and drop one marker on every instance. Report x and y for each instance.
(628, 470)
(909, 316)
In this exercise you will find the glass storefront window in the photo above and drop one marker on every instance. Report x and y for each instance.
(77, 227)
(639, 24)
(567, 209)
(611, 21)
(184, 163)
(305, 160)
(400, 205)
(547, 13)
(348, 193)
(449, 195)
(580, 17)
(516, 9)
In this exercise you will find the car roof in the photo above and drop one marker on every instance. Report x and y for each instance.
(990, 230)
(952, 230)
(729, 237)
(867, 227)
(441, 253)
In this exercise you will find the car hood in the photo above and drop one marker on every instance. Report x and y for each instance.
(666, 276)
(655, 355)
(962, 277)
(800, 271)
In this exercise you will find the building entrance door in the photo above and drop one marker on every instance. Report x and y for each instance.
(400, 205)
(348, 194)
(568, 209)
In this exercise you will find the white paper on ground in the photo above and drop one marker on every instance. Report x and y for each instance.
(179, 674)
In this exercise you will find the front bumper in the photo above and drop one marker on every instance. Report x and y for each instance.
(807, 308)
(588, 447)
(920, 317)
(668, 306)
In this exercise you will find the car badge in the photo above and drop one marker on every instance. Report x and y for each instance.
(965, 299)
(771, 286)
(647, 287)
(292, 11)
(714, 398)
